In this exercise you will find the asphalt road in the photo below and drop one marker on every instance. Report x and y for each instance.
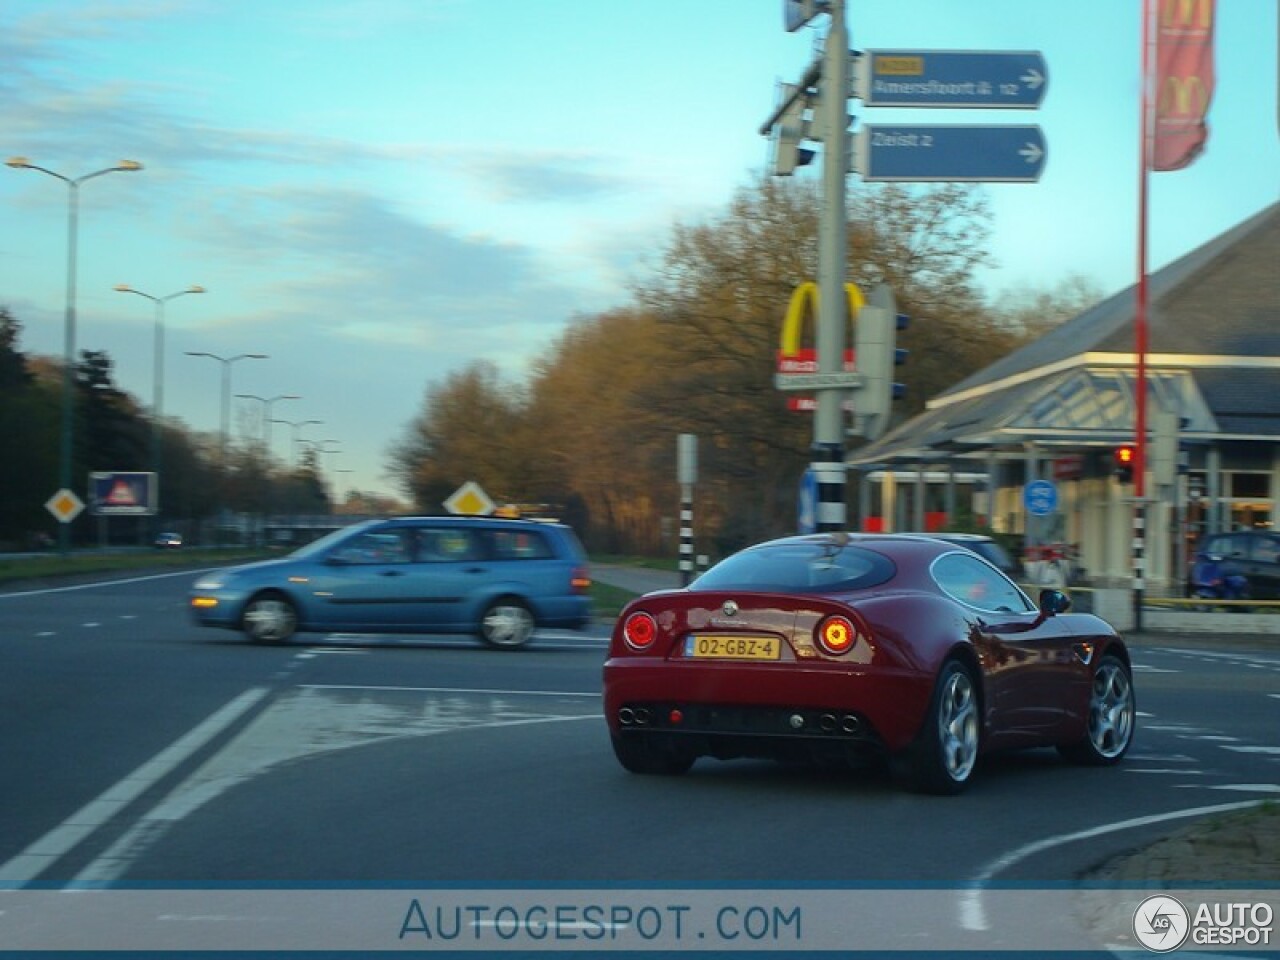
(140, 749)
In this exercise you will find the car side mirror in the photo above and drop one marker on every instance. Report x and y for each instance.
(1054, 602)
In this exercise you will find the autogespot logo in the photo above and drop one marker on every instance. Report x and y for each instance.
(1161, 924)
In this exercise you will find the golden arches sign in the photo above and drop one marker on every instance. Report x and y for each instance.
(1186, 14)
(805, 295)
(1184, 97)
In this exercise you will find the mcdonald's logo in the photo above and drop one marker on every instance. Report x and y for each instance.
(1183, 97)
(1186, 14)
(804, 300)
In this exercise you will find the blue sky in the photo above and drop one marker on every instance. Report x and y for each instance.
(377, 193)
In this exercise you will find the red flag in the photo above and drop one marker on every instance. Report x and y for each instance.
(1183, 81)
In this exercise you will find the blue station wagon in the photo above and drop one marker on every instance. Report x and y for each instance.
(497, 579)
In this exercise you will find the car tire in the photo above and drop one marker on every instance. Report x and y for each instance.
(942, 758)
(269, 618)
(506, 624)
(640, 755)
(1112, 716)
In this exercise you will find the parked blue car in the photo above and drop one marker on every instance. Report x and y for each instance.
(498, 579)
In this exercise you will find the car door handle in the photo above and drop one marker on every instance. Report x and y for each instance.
(475, 570)
(393, 573)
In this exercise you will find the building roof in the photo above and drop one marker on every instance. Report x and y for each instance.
(1238, 315)
(1213, 356)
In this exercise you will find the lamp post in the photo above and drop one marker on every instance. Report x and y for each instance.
(267, 404)
(69, 333)
(157, 390)
(226, 392)
(297, 426)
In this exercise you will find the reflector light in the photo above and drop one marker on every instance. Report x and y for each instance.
(640, 630)
(676, 717)
(836, 635)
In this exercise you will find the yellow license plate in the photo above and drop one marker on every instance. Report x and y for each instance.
(732, 647)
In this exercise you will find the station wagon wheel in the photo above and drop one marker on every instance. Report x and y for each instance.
(507, 623)
(946, 750)
(639, 755)
(1112, 716)
(269, 618)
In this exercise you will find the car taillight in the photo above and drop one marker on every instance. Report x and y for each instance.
(640, 630)
(837, 635)
(581, 580)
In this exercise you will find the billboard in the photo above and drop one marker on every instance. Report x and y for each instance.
(123, 494)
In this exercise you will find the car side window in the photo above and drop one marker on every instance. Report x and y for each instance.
(447, 545)
(1236, 548)
(969, 580)
(518, 545)
(1266, 550)
(377, 546)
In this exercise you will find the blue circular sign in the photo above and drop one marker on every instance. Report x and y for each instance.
(1040, 498)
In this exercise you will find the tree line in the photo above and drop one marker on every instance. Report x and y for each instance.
(592, 429)
(112, 431)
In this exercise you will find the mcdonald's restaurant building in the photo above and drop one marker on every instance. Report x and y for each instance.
(1057, 410)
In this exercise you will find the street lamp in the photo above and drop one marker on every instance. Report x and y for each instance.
(226, 392)
(297, 438)
(157, 395)
(69, 334)
(267, 404)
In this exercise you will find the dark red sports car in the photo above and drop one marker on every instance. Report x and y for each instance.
(833, 646)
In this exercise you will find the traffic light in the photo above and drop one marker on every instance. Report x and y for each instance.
(789, 131)
(1126, 458)
(876, 354)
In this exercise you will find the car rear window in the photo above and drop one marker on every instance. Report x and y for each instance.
(802, 567)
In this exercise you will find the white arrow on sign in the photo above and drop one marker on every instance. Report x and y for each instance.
(1031, 153)
(1033, 78)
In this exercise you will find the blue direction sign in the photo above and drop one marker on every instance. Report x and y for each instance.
(1013, 79)
(955, 152)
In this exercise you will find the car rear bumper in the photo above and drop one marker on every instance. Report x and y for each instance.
(764, 701)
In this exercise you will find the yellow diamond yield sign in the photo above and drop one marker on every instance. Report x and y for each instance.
(470, 500)
(64, 505)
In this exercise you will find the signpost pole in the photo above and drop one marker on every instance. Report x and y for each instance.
(828, 433)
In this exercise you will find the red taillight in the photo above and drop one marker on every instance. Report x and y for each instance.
(581, 580)
(640, 630)
(837, 635)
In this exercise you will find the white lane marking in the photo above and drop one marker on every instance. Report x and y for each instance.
(1146, 668)
(973, 915)
(292, 728)
(1179, 773)
(1248, 787)
(104, 583)
(1272, 751)
(475, 690)
(32, 861)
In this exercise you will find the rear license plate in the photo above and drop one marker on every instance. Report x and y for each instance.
(732, 647)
